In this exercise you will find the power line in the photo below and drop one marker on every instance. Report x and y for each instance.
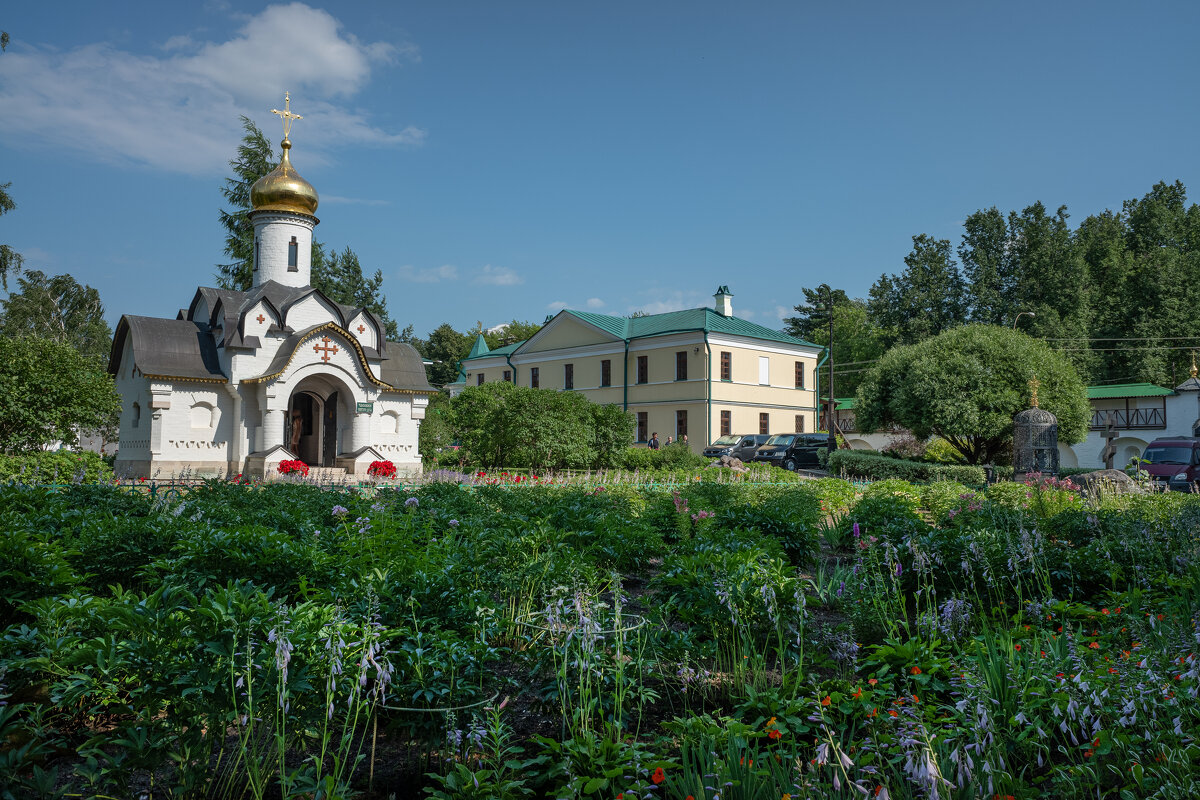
(1120, 339)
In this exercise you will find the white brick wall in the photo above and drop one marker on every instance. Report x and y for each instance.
(273, 232)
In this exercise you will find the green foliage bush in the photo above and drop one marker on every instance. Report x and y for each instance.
(860, 464)
(902, 492)
(940, 497)
(55, 466)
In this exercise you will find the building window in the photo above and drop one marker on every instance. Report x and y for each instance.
(726, 365)
(764, 423)
(764, 370)
(293, 255)
(257, 250)
(726, 423)
(643, 369)
(568, 376)
(508, 376)
(479, 379)
(643, 426)
(680, 425)
(799, 374)
(535, 377)
(681, 365)
(606, 373)
(799, 423)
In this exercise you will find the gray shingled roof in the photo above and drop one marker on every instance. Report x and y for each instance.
(171, 348)
(404, 368)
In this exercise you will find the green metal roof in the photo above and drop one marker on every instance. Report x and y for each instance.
(478, 349)
(689, 319)
(1121, 390)
(843, 404)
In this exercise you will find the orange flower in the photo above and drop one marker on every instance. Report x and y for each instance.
(774, 734)
(873, 711)
(826, 701)
(658, 776)
(916, 699)
(916, 670)
(857, 694)
(872, 681)
(1094, 645)
(1088, 753)
(1017, 647)
(1104, 611)
(893, 713)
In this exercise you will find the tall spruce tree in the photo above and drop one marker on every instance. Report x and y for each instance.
(924, 300)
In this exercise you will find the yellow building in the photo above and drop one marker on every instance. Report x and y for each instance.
(701, 372)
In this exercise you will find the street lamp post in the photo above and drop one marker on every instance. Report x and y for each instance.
(829, 413)
(1022, 314)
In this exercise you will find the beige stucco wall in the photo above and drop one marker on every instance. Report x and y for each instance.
(661, 396)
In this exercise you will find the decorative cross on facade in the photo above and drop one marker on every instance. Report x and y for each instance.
(286, 115)
(261, 319)
(317, 348)
(1034, 383)
(361, 328)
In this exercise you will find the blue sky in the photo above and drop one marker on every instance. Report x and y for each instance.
(506, 159)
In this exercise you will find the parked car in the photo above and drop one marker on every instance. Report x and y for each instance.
(793, 450)
(742, 447)
(1174, 461)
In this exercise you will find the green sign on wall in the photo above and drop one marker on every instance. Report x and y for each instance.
(364, 408)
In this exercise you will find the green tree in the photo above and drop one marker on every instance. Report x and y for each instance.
(255, 158)
(10, 259)
(57, 308)
(966, 384)
(857, 340)
(924, 300)
(502, 425)
(435, 434)
(445, 347)
(49, 392)
(340, 277)
(512, 332)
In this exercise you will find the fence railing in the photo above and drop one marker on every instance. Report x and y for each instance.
(1129, 419)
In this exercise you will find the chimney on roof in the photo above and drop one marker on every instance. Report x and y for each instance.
(723, 302)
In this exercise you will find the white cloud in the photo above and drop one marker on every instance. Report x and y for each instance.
(179, 111)
(783, 312)
(446, 272)
(498, 276)
(557, 305)
(595, 302)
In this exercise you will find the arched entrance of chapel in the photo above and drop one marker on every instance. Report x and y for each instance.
(320, 409)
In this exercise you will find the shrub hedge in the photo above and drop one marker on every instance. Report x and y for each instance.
(55, 466)
(859, 464)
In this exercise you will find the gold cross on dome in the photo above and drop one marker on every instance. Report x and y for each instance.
(286, 115)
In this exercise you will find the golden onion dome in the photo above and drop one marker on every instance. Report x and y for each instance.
(282, 189)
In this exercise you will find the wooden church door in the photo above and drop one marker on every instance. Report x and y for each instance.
(329, 430)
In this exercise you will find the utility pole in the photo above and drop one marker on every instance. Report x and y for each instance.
(829, 414)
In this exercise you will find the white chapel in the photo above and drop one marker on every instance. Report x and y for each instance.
(240, 381)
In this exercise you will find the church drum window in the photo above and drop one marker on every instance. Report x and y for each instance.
(293, 255)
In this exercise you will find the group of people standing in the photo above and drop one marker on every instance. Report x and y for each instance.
(653, 443)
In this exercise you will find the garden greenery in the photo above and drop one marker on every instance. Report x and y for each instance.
(501, 635)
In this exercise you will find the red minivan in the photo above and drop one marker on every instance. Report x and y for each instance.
(1174, 461)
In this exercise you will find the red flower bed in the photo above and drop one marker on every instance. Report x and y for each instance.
(382, 469)
(294, 467)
